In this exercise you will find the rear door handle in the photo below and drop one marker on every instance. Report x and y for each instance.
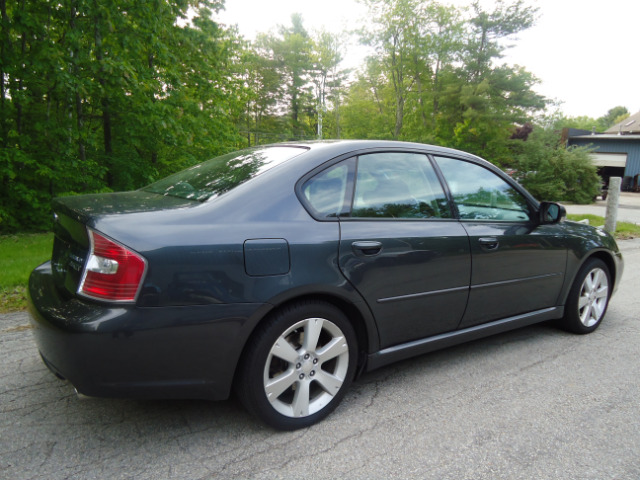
(489, 243)
(367, 247)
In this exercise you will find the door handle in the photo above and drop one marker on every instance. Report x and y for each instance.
(367, 247)
(489, 243)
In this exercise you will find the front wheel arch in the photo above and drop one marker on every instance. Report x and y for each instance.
(591, 287)
(603, 255)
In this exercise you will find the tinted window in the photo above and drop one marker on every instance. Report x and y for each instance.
(398, 185)
(326, 191)
(221, 174)
(480, 194)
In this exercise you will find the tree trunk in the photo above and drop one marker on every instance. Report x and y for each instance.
(23, 47)
(418, 81)
(106, 114)
(294, 111)
(80, 124)
(106, 124)
(398, 86)
(82, 154)
(399, 116)
(337, 110)
(150, 59)
(4, 48)
(436, 93)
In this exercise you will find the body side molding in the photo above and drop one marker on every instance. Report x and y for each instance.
(437, 342)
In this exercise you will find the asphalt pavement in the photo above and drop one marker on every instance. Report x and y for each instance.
(536, 403)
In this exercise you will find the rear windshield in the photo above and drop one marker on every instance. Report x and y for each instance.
(221, 174)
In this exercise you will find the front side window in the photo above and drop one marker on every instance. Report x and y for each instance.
(398, 185)
(480, 194)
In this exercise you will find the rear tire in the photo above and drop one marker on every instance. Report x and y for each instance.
(299, 364)
(589, 298)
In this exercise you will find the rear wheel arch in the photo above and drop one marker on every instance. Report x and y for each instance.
(289, 379)
(359, 316)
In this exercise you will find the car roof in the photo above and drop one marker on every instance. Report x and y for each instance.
(351, 145)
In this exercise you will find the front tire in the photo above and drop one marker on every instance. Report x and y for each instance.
(298, 366)
(589, 297)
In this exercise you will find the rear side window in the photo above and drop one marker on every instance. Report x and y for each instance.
(398, 185)
(221, 174)
(326, 191)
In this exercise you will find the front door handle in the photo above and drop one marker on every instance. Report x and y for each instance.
(367, 247)
(489, 243)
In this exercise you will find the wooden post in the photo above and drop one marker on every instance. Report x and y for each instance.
(613, 199)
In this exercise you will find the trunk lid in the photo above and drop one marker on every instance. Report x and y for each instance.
(72, 216)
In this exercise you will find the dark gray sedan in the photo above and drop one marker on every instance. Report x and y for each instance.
(283, 271)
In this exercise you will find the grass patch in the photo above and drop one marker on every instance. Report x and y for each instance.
(624, 230)
(19, 254)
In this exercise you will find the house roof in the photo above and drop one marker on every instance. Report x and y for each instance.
(630, 124)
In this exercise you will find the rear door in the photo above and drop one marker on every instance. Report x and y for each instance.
(402, 249)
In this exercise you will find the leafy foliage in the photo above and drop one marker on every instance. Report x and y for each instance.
(114, 94)
(108, 96)
(612, 117)
(435, 74)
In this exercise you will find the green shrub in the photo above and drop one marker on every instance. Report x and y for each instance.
(555, 173)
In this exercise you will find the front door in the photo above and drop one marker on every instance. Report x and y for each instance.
(517, 265)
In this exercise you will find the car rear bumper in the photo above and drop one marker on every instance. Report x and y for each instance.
(128, 351)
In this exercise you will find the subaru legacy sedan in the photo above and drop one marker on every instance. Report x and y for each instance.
(281, 272)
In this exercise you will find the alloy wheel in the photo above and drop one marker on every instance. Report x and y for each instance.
(594, 294)
(306, 367)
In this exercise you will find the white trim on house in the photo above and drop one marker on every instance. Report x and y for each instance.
(609, 159)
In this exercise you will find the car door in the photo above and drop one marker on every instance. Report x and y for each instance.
(518, 266)
(402, 249)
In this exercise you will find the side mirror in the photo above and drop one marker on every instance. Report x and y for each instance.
(551, 212)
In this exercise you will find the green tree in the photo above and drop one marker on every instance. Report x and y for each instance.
(613, 116)
(396, 37)
(582, 122)
(368, 109)
(487, 31)
(327, 77)
(438, 73)
(260, 73)
(108, 95)
(483, 101)
(292, 50)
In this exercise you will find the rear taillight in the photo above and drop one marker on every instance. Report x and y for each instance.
(112, 271)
